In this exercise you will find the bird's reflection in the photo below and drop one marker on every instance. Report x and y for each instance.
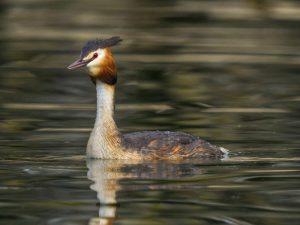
(106, 175)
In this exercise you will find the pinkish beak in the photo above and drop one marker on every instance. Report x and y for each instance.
(81, 63)
(78, 64)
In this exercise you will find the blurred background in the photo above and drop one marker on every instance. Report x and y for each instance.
(227, 71)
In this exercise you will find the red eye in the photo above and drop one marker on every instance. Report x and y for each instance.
(95, 55)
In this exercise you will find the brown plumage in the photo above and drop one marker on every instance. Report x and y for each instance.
(170, 145)
(107, 142)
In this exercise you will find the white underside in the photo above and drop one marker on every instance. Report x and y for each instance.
(225, 153)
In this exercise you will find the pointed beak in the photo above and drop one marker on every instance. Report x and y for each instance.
(78, 64)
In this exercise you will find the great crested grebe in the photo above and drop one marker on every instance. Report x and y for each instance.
(106, 142)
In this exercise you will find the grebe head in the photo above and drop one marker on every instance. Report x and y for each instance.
(97, 56)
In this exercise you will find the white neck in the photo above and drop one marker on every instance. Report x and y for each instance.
(105, 102)
(104, 141)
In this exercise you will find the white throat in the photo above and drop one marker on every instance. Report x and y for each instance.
(105, 138)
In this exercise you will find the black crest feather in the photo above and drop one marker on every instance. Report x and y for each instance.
(98, 43)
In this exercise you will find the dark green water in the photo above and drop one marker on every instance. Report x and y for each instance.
(227, 71)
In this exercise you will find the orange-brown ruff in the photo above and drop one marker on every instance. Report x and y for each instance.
(106, 71)
(107, 142)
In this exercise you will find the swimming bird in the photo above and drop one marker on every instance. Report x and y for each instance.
(107, 142)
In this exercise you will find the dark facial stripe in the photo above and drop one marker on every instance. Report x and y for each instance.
(109, 79)
(98, 43)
